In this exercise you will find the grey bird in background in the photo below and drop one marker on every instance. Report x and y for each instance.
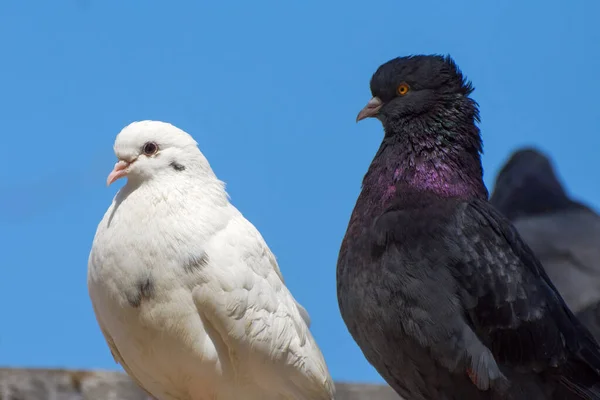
(563, 233)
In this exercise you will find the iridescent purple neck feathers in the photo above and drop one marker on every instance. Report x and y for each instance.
(396, 169)
(438, 154)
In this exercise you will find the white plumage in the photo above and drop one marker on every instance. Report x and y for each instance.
(188, 295)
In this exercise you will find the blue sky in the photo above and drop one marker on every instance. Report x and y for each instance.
(270, 89)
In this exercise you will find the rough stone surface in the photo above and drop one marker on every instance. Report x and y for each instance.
(57, 384)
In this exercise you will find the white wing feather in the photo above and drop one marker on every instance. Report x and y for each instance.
(243, 297)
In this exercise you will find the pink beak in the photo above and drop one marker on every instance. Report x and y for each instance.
(371, 109)
(119, 171)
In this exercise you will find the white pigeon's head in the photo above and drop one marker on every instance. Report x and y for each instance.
(146, 149)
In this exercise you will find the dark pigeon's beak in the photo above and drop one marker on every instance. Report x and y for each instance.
(371, 109)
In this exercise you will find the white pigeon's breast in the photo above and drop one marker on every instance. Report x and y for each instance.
(142, 297)
(142, 247)
(163, 345)
(156, 330)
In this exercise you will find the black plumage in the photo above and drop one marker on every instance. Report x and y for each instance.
(436, 286)
(563, 233)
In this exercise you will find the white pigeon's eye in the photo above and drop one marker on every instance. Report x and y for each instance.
(150, 148)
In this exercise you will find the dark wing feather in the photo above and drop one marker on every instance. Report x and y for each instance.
(514, 307)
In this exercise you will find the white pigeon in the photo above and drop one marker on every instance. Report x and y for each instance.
(188, 295)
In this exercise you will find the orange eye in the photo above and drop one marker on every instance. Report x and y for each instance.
(402, 89)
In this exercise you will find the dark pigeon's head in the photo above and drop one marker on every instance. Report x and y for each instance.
(410, 86)
(430, 125)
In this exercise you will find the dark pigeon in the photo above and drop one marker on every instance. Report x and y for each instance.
(436, 286)
(563, 233)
